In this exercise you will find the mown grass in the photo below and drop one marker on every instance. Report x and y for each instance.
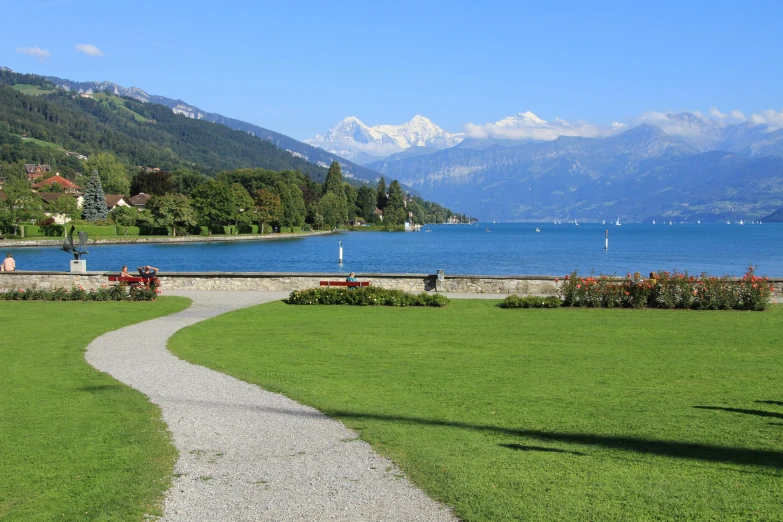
(536, 414)
(119, 106)
(76, 444)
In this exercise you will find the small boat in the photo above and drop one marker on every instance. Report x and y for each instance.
(741, 223)
(617, 223)
(603, 222)
(698, 222)
(538, 229)
(575, 223)
(653, 221)
(428, 230)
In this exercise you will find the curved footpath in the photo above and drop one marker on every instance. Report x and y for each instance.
(245, 453)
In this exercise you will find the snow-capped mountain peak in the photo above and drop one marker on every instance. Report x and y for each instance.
(353, 139)
(520, 117)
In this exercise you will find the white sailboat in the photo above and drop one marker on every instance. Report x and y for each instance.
(653, 221)
(617, 223)
(603, 222)
(575, 223)
(741, 223)
(698, 222)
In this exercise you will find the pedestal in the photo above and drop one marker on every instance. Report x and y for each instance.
(79, 266)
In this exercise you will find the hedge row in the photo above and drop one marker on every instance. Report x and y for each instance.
(77, 293)
(530, 301)
(668, 290)
(365, 296)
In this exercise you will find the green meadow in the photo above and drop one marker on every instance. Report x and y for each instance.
(536, 414)
(75, 444)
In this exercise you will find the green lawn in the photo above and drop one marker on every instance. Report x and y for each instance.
(565, 414)
(74, 443)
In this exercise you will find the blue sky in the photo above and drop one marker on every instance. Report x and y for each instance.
(299, 67)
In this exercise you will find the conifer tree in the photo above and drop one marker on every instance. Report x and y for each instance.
(381, 197)
(94, 207)
(334, 181)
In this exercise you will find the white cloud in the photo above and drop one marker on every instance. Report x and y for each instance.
(717, 114)
(737, 115)
(538, 130)
(40, 54)
(88, 49)
(771, 118)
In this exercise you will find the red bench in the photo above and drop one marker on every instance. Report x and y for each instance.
(133, 281)
(345, 283)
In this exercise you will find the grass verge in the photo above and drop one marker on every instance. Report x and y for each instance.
(75, 444)
(553, 414)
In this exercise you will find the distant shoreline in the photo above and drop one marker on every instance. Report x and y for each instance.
(162, 239)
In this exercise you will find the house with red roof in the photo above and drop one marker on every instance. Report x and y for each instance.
(68, 186)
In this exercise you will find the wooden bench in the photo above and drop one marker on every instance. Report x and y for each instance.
(345, 283)
(133, 281)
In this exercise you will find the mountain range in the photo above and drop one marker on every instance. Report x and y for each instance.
(352, 139)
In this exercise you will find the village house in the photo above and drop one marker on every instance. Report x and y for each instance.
(69, 187)
(140, 200)
(36, 171)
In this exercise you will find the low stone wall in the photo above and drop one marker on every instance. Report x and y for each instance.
(228, 281)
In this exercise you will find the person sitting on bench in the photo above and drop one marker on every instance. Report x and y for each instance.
(148, 271)
(124, 272)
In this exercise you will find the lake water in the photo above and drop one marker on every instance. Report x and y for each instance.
(492, 249)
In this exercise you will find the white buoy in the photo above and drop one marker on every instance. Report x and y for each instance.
(606, 241)
(341, 253)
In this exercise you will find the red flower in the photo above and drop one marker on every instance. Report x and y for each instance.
(695, 292)
(557, 280)
(627, 293)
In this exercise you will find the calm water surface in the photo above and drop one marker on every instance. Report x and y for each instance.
(496, 249)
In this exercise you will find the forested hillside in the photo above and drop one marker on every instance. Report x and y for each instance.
(136, 133)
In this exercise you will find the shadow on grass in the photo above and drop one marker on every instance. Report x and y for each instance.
(774, 403)
(666, 448)
(520, 447)
(100, 387)
(758, 413)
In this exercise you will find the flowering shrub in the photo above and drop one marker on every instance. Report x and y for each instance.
(78, 293)
(668, 290)
(365, 296)
(531, 301)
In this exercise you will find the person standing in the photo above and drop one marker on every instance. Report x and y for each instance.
(9, 264)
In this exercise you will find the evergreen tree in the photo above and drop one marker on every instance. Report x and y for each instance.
(381, 194)
(395, 195)
(292, 203)
(94, 206)
(334, 181)
(365, 203)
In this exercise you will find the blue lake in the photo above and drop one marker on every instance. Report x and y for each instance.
(496, 249)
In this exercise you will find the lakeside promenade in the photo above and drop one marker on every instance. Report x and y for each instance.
(162, 239)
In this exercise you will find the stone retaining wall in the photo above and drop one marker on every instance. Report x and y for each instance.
(474, 284)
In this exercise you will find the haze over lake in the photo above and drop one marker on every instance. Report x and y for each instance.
(506, 249)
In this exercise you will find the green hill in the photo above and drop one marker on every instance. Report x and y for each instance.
(137, 133)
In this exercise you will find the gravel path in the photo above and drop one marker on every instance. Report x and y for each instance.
(245, 453)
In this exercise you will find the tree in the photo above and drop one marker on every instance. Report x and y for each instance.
(334, 181)
(154, 183)
(366, 202)
(292, 203)
(21, 205)
(395, 195)
(114, 178)
(94, 206)
(380, 200)
(66, 206)
(185, 181)
(124, 216)
(331, 209)
(351, 193)
(242, 206)
(172, 210)
(212, 202)
(269, 208)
